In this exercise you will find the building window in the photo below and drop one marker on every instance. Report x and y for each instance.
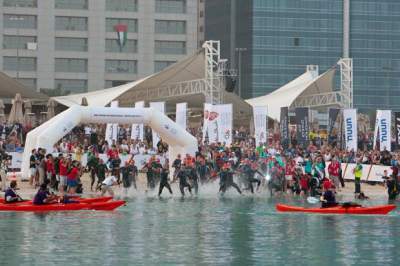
(122, 5)
(13, 63)
(71, 23)
(170, 47)
(17, 42)
(121, 66)
(131, 24)
(160, 65)
(170, 27)
(71, 44)
(71, 65)
(113, 46)
(20, 3)
(71, 4)
(29, 83)
(115, 83)
(19, 21)
(170, 6)
(71, 85)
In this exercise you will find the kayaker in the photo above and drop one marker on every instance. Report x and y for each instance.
(107, 184)
(328, 198)
(43, 196)
(10, 195)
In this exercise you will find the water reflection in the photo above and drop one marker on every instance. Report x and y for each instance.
(195, 230)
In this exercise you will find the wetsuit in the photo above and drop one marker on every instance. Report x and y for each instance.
(129, 173)
(182, 176)
(192, 174)
(92, 164)
(226, 181)
(164, 181)
(249, 173)
(392, 189)
(101, 173)
(203, 171)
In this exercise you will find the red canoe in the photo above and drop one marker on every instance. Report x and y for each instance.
(81, 200)
(98, 206)
(383, 209)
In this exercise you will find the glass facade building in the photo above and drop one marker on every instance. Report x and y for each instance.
(284, 36)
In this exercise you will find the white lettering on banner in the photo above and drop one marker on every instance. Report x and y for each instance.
(350, 118)
(384, 124)
(349, 127)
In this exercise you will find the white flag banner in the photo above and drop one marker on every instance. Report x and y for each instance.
(350, 126)
(112, 129)
(181, 114)
(160, 106)
(260, 124)
(224, 123)
(137, 129)
(378, 118)
(207, 111)
(384, 125)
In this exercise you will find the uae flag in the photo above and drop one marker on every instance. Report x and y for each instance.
(122, 34)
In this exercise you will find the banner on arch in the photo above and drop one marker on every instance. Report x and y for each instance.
(137, 129)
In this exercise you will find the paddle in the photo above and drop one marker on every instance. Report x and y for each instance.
(314, 200)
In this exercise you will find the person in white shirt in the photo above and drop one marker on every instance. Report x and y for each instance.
(107, 184)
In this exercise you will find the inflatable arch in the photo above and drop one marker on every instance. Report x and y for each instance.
(50, 132)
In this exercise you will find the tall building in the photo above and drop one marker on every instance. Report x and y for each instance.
(81, 45)
(281, 37)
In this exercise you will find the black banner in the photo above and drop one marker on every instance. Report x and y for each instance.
(302, 125)
(397, 125)
(333, 115)
(284, 127)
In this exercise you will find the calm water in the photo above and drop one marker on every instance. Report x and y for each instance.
(206, 230)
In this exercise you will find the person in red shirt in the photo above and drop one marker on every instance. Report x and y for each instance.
(50, 171)
(327, 184)
(333, 170)
(112, 153)
(72, 177)
(304, 184)
(63, 172)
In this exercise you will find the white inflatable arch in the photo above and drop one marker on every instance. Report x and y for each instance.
(49, 133)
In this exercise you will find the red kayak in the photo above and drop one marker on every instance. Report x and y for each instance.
(383, 209)
(81, 200)
(98, 206)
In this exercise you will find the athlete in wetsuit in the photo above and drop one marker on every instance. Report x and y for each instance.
(226, 179)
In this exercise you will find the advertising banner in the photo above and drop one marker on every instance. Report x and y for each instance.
(284, 127)
(260, 124)
(112, 129)
(350, 128)
(384, 128)
(224, 123)
(181, 114)
(210, 123)
(397, 128)
(302, 123)
(160, 106)
(137, 129)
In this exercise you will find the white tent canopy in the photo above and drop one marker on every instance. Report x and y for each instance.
(304, 85)
(189, 69)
